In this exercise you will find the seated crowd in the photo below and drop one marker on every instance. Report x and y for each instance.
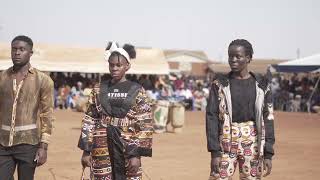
(291, 92)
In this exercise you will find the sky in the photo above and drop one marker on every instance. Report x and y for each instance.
(276, 28)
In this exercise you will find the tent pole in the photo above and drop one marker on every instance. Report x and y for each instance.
(314, 90)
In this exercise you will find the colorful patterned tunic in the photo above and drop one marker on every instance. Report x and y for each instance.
(135, 134)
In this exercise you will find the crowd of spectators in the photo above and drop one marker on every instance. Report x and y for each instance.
(71, 88)
(291, 92)
(189, 90)
(296, 92)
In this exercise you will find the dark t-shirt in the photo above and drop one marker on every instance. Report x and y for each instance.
(243, 97)
(117, 99)
(118, 92)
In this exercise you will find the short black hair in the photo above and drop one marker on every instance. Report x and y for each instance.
(245, 44)
(24, 39)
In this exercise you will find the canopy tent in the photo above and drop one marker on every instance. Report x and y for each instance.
(306, 64)
(316, 71)
(53, 58)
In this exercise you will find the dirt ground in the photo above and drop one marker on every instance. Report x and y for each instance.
(184, 156)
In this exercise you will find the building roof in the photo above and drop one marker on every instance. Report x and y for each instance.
(256, 65)
(185, 55)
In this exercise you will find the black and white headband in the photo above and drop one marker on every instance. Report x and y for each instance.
(115, 48)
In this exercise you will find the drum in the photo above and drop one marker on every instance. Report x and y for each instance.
(176, 116)
(160, 115)
(81, 103)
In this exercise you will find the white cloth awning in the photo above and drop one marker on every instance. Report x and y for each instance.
(86, 60)
(313, 60)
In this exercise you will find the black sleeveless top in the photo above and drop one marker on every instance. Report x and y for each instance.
(117, 99)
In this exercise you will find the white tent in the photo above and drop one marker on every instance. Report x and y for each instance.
(306, 64)
(86, 60)
(313, 60)
(316, 71)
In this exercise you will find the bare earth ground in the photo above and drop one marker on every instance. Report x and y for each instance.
(184, 156)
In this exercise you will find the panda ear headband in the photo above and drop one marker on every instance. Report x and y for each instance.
(114, 47)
